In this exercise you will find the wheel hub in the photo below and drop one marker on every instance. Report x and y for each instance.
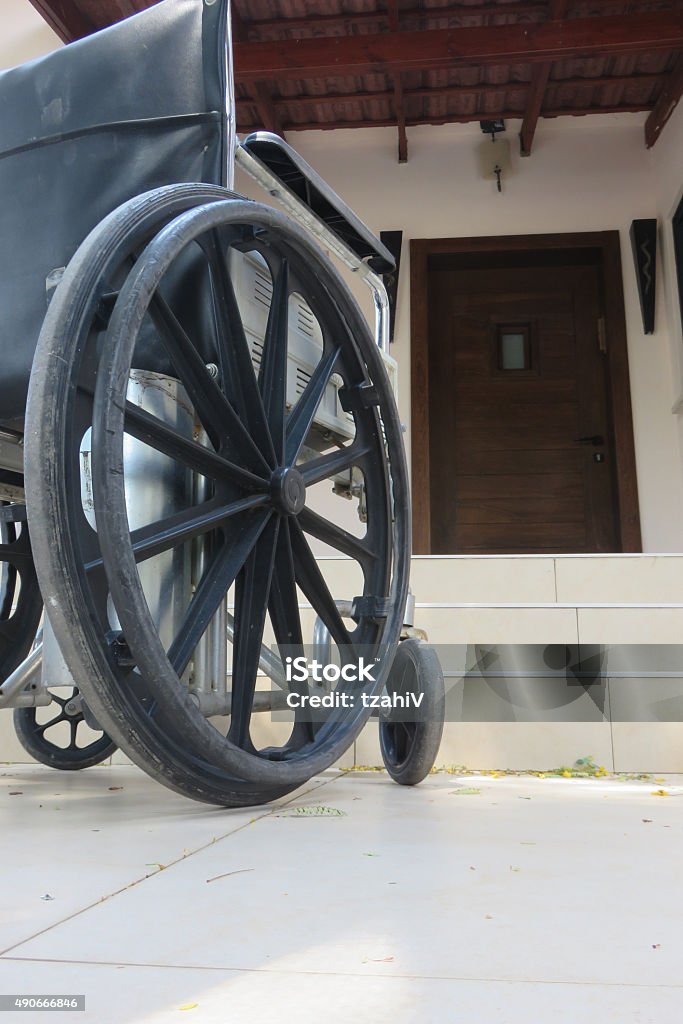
(288, 491)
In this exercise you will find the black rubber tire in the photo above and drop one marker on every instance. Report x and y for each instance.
(163, 750)
(31, 735)
(109, 489)
(410, 746)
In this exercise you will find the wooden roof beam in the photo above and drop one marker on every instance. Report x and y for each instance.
(432, 92)
(508, 115)
(399, 105)
(448, 48)
(454, 10)
(666, 104)
(540, 75)
(267, 111)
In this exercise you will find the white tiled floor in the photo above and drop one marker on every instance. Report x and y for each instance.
(530, 900)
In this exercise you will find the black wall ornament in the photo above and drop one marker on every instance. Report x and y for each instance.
(392, 240)
(644, 243)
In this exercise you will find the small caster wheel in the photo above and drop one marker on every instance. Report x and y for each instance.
(59, 747)
(410, 740)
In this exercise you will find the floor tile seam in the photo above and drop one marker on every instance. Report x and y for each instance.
(174, 863)
(289, 971)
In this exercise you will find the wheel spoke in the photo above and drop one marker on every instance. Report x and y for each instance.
(337, 538)
(286, 620)
(8, 628)
(313, 584)
(73, 732)
(213, 408)
(301, 417)
(168, 533)
(273, 374)
(331, 464)
(251, 602)
(61, 717)
(284, 604)
(216, 580)
(237, 369)
(16, 554)
(163, 438)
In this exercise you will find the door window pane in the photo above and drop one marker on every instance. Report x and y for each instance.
(513, 348)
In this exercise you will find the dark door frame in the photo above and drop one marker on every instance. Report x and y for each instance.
(609, 251)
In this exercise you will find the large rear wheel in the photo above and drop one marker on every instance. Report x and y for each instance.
(155, 286)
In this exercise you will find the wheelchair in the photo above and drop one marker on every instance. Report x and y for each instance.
(199, 439)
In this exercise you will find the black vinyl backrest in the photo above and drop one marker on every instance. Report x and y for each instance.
(136, 106)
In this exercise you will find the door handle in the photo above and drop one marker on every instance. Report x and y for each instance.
(595, 439)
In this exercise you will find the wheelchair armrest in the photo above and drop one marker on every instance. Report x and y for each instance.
(283, 163)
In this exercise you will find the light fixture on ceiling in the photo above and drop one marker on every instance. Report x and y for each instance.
(494, 156)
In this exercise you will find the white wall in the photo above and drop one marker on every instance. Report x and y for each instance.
(585, 174)
(24, 34)
(667, 172)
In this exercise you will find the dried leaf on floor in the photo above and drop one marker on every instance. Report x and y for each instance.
(314, 811)
(240, 871)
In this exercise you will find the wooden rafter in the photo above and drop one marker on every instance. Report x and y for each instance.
(352, 19)
(481, 115)
(666, 104)
(332, 99)
(446, 48)
(540, 76)
(399, 105)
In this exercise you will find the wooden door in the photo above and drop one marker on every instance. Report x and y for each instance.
(521, 447)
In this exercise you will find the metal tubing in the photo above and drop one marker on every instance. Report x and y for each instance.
(380, 300)
(37, 699)
(230, 105)
(210, 661)
(322, 641)
(221, 703)
(25, 675)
